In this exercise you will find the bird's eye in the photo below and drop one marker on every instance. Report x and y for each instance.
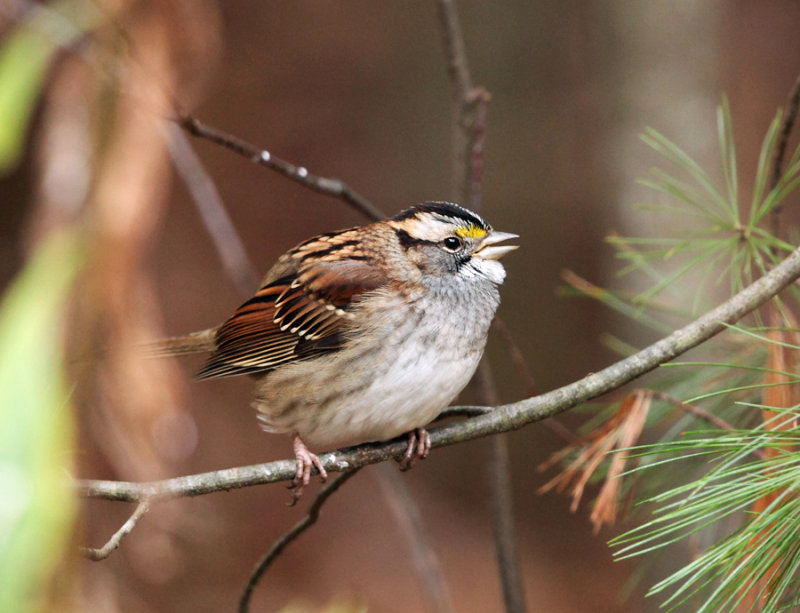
(452, 243)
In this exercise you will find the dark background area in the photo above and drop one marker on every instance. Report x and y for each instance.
(358, 90)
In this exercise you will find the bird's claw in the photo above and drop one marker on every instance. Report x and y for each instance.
(419, 446)
(306, 460)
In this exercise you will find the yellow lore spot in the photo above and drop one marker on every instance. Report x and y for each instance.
(471, 232)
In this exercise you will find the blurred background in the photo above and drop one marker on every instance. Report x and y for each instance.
(356, 90)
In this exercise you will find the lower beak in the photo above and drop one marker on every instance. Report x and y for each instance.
(490, 250)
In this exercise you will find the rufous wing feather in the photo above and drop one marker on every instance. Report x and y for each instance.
(295, 317)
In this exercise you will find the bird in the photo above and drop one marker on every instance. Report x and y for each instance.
(363, 334)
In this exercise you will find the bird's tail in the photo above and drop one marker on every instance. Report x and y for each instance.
(196, 342)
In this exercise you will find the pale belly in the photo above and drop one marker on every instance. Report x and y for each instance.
(346, 399)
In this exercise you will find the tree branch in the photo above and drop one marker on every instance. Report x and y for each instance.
(212, 211)
(524, 375)
(780, 152)
(502, 419)
(300, 174)
(304, 524)
(783, 136)
(469, 129)
(469, 114)
(113, 543)
(423, 559)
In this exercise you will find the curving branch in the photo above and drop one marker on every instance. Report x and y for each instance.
(469, 130)
(783, 136)
(470, 108)
(422, 557)
(278, 546)
(501, 419)
(101, 553)
(212, 211)
(300, 174)
(780, 151)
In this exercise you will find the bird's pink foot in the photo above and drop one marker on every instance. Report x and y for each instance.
(419, 446)
(306, 460)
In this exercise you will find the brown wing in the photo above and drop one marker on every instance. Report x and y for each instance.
(295, 317)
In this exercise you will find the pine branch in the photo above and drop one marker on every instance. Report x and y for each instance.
(504, 418)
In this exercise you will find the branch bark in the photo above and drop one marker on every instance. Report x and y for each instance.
(422, 557)
(780, 151)
(300, 174)
(502, 419)
(469, 113)
(469, 131)
(212, 211)
(304, 524)
(101, 553)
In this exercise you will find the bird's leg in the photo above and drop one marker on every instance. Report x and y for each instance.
(419, 446)
(305, 461)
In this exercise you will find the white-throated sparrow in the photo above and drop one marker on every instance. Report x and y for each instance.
(366, 333)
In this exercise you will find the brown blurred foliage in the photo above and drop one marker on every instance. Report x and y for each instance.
(356, 90)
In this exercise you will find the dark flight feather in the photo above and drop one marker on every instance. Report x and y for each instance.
(297, 316)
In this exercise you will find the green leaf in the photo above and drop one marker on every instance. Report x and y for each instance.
(24, 61)
(37, 504)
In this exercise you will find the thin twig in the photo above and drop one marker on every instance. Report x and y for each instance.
(524, 375)
(780, 151)
(423, 558)
(502, 502)
(517, 359)
(324, 185)
(300, 527)
(503, 525)
(457, 68)
(469, 115)
(474, 125)
(469, 130)
(212, 211)
(785, 132)
(113, 543)
(503, 418)
(693, 409)
(701, 413)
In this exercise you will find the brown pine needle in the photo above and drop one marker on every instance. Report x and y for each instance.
(778, 393)
(621, 431)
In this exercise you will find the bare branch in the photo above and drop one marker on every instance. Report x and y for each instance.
(786, 130)
(780, 151)
(524, 375)
(505, 533)
(423, 558)
(500, 419)
(309, 520)
(113, 543)
(693, 409)
(212, 211)
(457, 68)
(469, 129)
(473, 123)
(324, 185)
(469, 113)
(502, 502)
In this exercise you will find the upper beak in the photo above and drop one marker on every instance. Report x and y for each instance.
(489, 250)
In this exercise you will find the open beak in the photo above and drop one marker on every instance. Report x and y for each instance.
(490, 250)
